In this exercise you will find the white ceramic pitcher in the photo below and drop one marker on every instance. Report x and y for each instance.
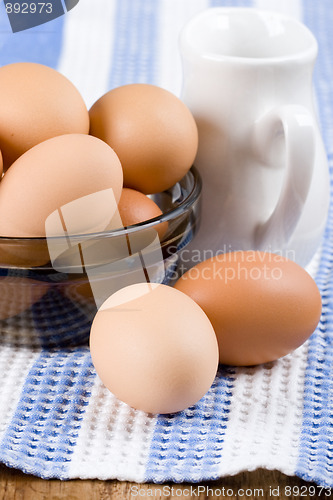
(248, 83)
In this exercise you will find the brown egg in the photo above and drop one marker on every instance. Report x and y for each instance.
(51, 175)
(23, 252)
(135, 207)
(261, 305)
(36, 103)
(152, 131)
(1, 165)
(154, 348)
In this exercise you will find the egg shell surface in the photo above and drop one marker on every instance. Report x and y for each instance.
(36, 103)
(154, 348)
(152, 131)
(262, 306)
(135, 207)
(51, 175)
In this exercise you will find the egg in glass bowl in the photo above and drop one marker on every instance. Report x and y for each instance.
(50, 301)
(69, 236)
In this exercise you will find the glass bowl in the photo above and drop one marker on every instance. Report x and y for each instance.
(51, 288)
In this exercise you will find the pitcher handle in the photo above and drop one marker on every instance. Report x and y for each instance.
(299, 134)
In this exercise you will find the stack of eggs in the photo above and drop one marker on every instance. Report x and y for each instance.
(139, 134)
(155, 347)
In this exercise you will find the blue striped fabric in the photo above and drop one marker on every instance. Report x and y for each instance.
(42, 434)
(134, 50)
(316, 448)
(188, 446)
(41, 45)
(230, 3)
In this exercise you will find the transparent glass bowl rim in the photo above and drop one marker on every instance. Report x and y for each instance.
(171, 214)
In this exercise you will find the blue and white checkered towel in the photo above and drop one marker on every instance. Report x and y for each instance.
(56, 418)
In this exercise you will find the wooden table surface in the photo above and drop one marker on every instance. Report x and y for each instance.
(260, 484)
